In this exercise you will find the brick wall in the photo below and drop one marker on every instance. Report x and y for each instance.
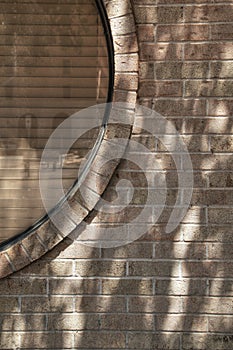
(161, 292)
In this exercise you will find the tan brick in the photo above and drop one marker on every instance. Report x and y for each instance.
(132, 250)
(73, 322)
(116, 8)
(220, 107)
(222, 32)
(46, 304)
(182, 32)
(126, 81)
(199, 341)
(124, 215)
(207, 305)
(49, 235)
(221, 179)
(5, 267)
(221, 143)
(125, 96)
(157, 304)
(73, 286)
(33, 246)
(145, 14)
(100, 304)
(146, 32)
(123, 25)
(207, 269)
(57, 340)
(22, 322)
(8, 305)
(172, 250)
(154, 341)
(121, 322)
(169, 107)
(127, 286)
(178, 70)
(181, 287)
(220, 216)
(211, 162)
(69, 249)
(107, 340)
(126, 63)
(221, 287)
(193, 143)
(210, 233)
(209, 13)
(18, 256)
(150, 52)
(49, 268)
(100, 268)
(221, 69)
(208, 51)
(171, 14)
(220, 323)
(160, 89)
(22, 286)
(10, 340)
(182, 323)
(209, 88)
(147, 70)
(153, 268)
(219, 197)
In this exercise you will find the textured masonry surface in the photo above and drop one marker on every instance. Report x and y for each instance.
(162, 292)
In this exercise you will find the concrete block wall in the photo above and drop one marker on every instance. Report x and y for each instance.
(170, 292)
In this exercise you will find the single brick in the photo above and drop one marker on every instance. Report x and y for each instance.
(146, 32)
(8, 305)
(151, 52)
(181, 323)
(100, 268)
(145, 14)
(57, 340)
(181, 287)
(221, 324)
(220, 216)
(182, 32)
(49, 268)
(23, 286)
(157, 304)
(127, 286)
(171, 14)
(207, 305)
(74, 322)
(160, 89)
(46, 304)
(73, 286)
(199, 341)
(100, 304)
(221, 32)
(210, 51)
(23, 322)
(154, 341)
(126, 63)
(153, 268)
(97, 340)
(209, 13)
(123, 322)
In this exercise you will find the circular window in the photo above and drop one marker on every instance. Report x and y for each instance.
(55, 61)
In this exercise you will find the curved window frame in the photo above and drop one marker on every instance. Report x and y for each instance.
(123, 60)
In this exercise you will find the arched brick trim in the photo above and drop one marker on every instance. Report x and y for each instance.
(46, 237)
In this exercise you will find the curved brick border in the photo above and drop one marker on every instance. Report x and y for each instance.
(47, 236)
